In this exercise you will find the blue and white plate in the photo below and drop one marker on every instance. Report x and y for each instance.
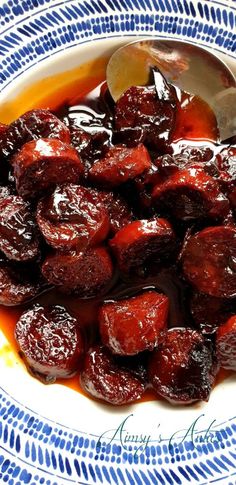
(52, 435)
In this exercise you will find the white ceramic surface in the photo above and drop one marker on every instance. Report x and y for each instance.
(52, 434)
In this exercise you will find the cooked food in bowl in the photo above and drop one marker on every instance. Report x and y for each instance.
(127, 208)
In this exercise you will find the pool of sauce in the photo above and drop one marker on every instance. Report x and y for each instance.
(74, 94)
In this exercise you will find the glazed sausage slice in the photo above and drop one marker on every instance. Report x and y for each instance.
(51, 341)
(32, 125)
(104, 379)
(141, 240)
(193, 151)
(18, 238)
(182, 369)
(71, 218)
(119, 165)
(91, 147)
(135, 324)
(19, 284)
(141, 114)
(86, 274)
(226, 344)
(119, 212)
(82, 142)
(191, 194)
(44, 163)
(209, 261)
(226, 161)
(232, 198)
(209, 312)
(144, 185)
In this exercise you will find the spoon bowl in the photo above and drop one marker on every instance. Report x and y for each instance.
(187, 66)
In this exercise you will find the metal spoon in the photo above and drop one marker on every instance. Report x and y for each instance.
(187, 66)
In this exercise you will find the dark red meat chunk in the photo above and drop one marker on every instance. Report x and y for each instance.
(183, 156)
(186, 152)
(102, 378)
(226, 161)
(230, 220)
(226, 165)
(19, 284)
(44, 163)
(142, 115)
(226, 344)
(168, 165)
(82, 142)
(35, 124)
(85, 274)
(135, 324)
(183, 368)
(209, 312)
(90, 146)
(196, 152)
(191, 194)
(51, 341)
(4, 168)
(18, 239)
(232, 198)
(145, 183)
(119, 165)
(209, 261)
(137, 364)
(119, 212)
(140, 241)
(71, 218)
(56, 180)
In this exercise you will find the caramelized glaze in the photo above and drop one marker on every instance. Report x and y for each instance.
(74, 94)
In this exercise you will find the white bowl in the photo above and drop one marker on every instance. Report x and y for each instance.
(52, 434)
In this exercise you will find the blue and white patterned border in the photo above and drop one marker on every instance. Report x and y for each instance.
(33, 449)
(33, 30)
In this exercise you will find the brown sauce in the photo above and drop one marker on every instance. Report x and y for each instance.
(62, 93)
